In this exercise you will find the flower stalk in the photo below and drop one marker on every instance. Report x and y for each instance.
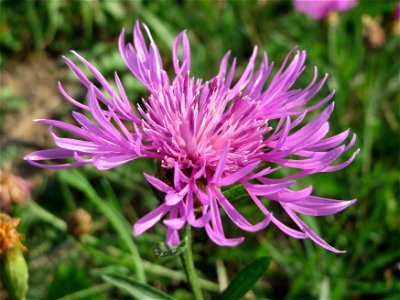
(188, 264)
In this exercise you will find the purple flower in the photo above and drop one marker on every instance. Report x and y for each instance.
(207, 135)
(318, 9)
(397, 11)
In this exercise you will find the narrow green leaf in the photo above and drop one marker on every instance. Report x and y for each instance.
(93, 292)
(37, 211)
(235, 192)
(155, 270)
(121, 226)
(246, 279)
(134, 288)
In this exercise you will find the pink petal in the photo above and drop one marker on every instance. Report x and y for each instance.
(149, 220)
(158, 184)
(238, 175)
(220, 167)
(237, 218)
(308, 231)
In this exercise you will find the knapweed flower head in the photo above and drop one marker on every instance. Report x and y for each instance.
(319, 9)
(10, 238)
(79, 222)
(207, 135)
(13, 190)
(13, 268)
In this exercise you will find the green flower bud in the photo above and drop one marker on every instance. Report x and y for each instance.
(14, 272)
(13, 267)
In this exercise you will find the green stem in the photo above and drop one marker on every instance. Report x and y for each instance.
(76, 179)
(43, 214)
(332, 43)
(188, 263)
(88, 292)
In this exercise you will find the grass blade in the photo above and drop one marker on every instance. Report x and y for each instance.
(246, 279)
(135, 288)
(121, 226)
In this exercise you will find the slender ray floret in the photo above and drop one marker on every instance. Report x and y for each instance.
(207, 135)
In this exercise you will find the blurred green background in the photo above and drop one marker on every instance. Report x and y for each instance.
(365, 75)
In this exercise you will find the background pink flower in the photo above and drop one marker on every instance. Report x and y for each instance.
(397, 11)
(318, 9)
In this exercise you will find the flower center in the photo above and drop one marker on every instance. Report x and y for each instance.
(190, 123)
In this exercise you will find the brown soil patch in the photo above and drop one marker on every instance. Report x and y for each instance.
(36, 81)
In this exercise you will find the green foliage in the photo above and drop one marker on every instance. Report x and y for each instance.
(246, 279)
(76, 179)
(9, 102)
(236, 193)
(67, 279)
(134, 288)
